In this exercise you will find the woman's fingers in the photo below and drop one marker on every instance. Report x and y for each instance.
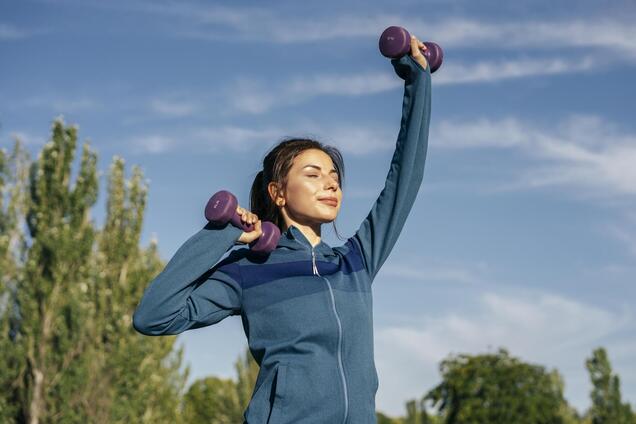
(416, 51)
(246, 216)
(417, 45)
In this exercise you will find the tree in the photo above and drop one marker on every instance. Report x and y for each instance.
(222, 401)
(68, 292)
(496, 388)
(13, 178)
(607, 406)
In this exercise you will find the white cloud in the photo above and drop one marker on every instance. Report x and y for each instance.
(233, 137)
(154, 144)
(348, 138)
(498, 70)
(256, 96)
(251, 95)
(437, 274)
(61, 104)
(610, 34)
(583, 150)
(542, 328)
(614, 35)
(624, 232)
(172, 108)
(263, 25)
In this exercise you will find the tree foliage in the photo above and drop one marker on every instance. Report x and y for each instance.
(222, 401)
(69, 352)
(607, 406)
(496, 388)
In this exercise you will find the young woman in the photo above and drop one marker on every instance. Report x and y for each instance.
(306, 307)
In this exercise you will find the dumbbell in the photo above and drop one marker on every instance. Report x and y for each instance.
(395, 42)
(221, 208)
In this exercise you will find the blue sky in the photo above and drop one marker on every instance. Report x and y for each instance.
(523, 234)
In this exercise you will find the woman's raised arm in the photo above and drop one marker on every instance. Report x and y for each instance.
(379, 231)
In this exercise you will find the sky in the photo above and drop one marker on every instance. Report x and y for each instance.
(523, 234)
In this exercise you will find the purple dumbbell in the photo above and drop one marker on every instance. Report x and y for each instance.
(395, 42)
(221, 208)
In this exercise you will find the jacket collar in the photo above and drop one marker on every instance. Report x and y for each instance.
(294, 239)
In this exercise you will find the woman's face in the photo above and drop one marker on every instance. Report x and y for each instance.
(312, 177)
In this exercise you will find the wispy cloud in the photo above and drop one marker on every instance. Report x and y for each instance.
(10, 32)
(351, 139)
(435, 274)
(538, 327)
(499, 70)
(154, 144)
(172, 108)
(204, 139)
(59, 104)
(256, 96)
(583, 150)
(610, 33)
(624, 231)
(261, 24)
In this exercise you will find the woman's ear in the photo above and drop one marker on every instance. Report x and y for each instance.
(276, 194)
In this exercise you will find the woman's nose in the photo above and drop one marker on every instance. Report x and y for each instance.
(332, 183)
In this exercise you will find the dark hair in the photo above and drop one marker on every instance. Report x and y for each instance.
(276, 165)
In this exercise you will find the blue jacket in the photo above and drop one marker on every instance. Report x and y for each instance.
(306, 311)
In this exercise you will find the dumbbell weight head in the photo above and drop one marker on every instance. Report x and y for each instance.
(395, 42)
(268, 240)
(221, 208)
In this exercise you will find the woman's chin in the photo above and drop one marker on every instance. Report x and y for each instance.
(326, 218)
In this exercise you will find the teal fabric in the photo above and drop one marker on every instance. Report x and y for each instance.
(307, 311)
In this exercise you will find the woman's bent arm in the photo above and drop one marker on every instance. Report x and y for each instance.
(188, 293)
(379, 231)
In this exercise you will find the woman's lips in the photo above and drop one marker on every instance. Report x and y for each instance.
(330, 202)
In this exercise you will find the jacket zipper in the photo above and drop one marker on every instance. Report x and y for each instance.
(333, 303)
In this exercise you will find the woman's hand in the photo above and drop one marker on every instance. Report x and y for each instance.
(416, 45)
(249, 218)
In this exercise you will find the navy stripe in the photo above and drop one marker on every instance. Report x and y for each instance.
(231, 269)
(353, 261)
(255, 275)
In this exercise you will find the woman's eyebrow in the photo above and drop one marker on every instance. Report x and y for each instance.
(319, 168)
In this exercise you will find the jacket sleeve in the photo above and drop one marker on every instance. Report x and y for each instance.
(379, 231)
(189, 292)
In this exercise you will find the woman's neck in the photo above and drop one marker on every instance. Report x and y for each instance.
(311, 232)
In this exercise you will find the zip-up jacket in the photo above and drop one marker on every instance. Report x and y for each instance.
(307, 311)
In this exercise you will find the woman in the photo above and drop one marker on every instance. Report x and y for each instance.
(306, 307)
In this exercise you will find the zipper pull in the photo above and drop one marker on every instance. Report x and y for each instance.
(313, 259)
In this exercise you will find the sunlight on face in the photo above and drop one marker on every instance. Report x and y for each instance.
(312, 177)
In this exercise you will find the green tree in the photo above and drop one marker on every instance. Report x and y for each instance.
(384, 419)
(496, 388)
(13, 179)
(222, 401)
(68, 291)
(607, 406)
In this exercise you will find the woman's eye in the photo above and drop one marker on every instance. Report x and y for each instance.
(313, 175)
